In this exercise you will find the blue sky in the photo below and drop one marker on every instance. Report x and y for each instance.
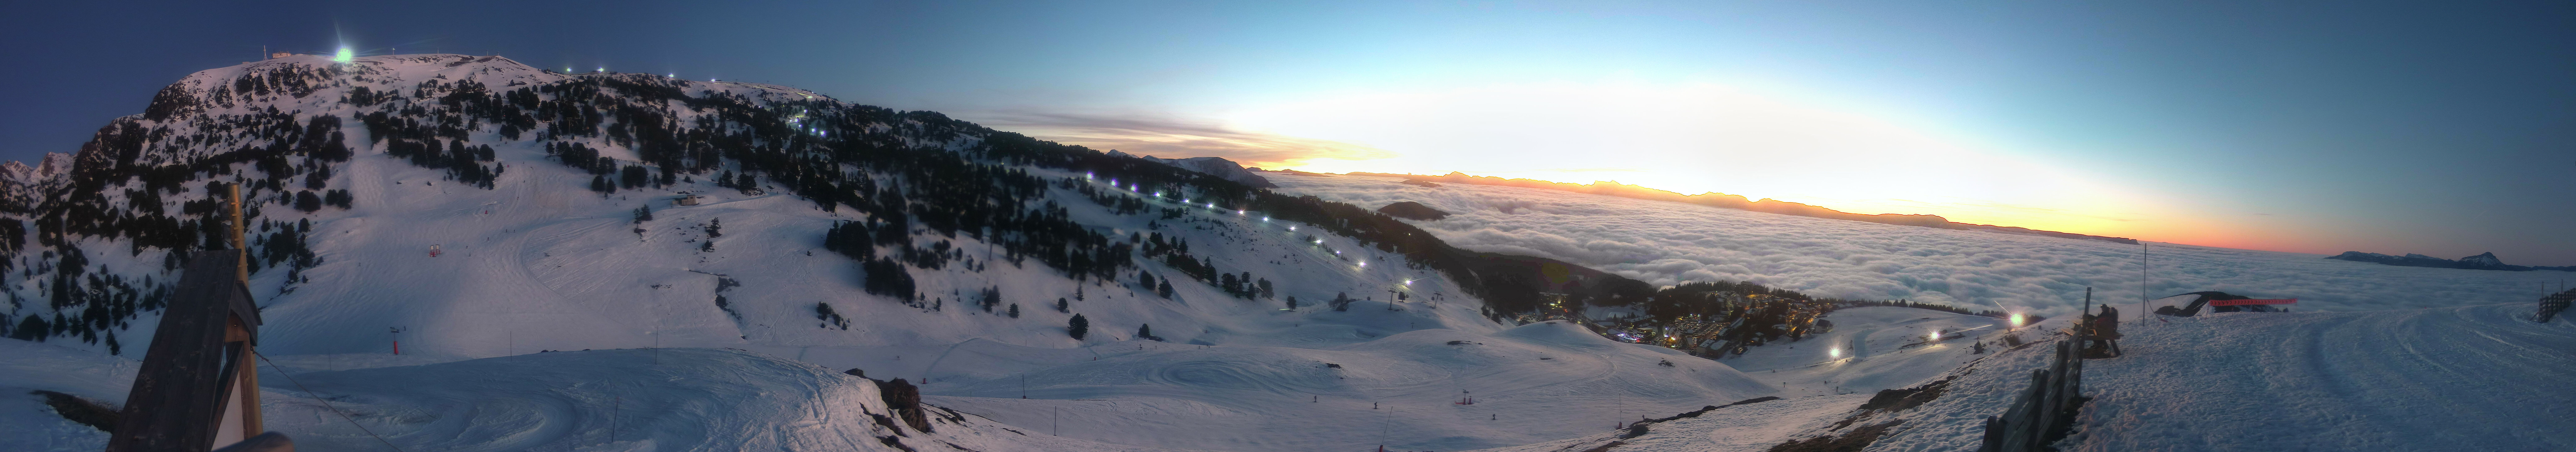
(2321, 127)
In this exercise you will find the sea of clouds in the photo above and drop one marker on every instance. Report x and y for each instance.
(1668, 243)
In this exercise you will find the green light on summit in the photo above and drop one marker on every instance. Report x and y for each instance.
(344, 56)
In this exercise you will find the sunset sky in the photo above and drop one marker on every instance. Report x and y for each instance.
(2442, 129)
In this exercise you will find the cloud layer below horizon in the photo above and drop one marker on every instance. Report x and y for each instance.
(1667, 243)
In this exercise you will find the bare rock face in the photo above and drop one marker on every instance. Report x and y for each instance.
(1412, 210)
(905, 400)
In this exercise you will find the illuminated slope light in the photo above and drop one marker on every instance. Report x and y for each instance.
(1362, 263)
(344, 56)
(1834, 352)
(2016, 320)
(1292, 228)
(603, 69)
(1936, 335)
(1238, 211)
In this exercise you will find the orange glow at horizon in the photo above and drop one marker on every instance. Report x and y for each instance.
(2200, 231)
(1692, 138)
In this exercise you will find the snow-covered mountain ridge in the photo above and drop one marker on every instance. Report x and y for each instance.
(474, 208)
(356, 171)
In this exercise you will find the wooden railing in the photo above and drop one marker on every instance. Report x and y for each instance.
(2046, 411)
(2551, 305)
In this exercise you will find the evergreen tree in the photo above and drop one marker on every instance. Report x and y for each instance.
(1292, 302)
(1266, 291)
(1145, 279)
(643, 214)
(1164, 289)
(320, 176)
(306, 201)
(338, 198)
(1062, 306)
(34, 328)
(715, 228)
(1015, 310)
(886, 278)
(633, 177)
(1341, 301)
(1078, 327)
(1146, 331)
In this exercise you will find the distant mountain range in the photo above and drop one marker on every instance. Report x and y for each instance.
(1715, 199)
(2482, 261)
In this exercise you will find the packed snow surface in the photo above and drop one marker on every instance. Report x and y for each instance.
(2453, 378)
(1671, 243)
(1532, 383)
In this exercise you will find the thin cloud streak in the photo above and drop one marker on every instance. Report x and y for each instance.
(1174, 138)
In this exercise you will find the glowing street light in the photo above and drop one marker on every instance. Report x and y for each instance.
(1834, 352)
(1936, 335)
(2016, 320)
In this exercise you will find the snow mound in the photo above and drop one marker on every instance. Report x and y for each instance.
(2456, 378)
(28, 366)
(657, 399)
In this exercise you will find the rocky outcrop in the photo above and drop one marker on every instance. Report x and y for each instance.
(905, 399)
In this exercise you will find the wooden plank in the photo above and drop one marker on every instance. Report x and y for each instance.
(179, 393)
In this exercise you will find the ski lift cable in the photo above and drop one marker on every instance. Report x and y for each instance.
(326, 403)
